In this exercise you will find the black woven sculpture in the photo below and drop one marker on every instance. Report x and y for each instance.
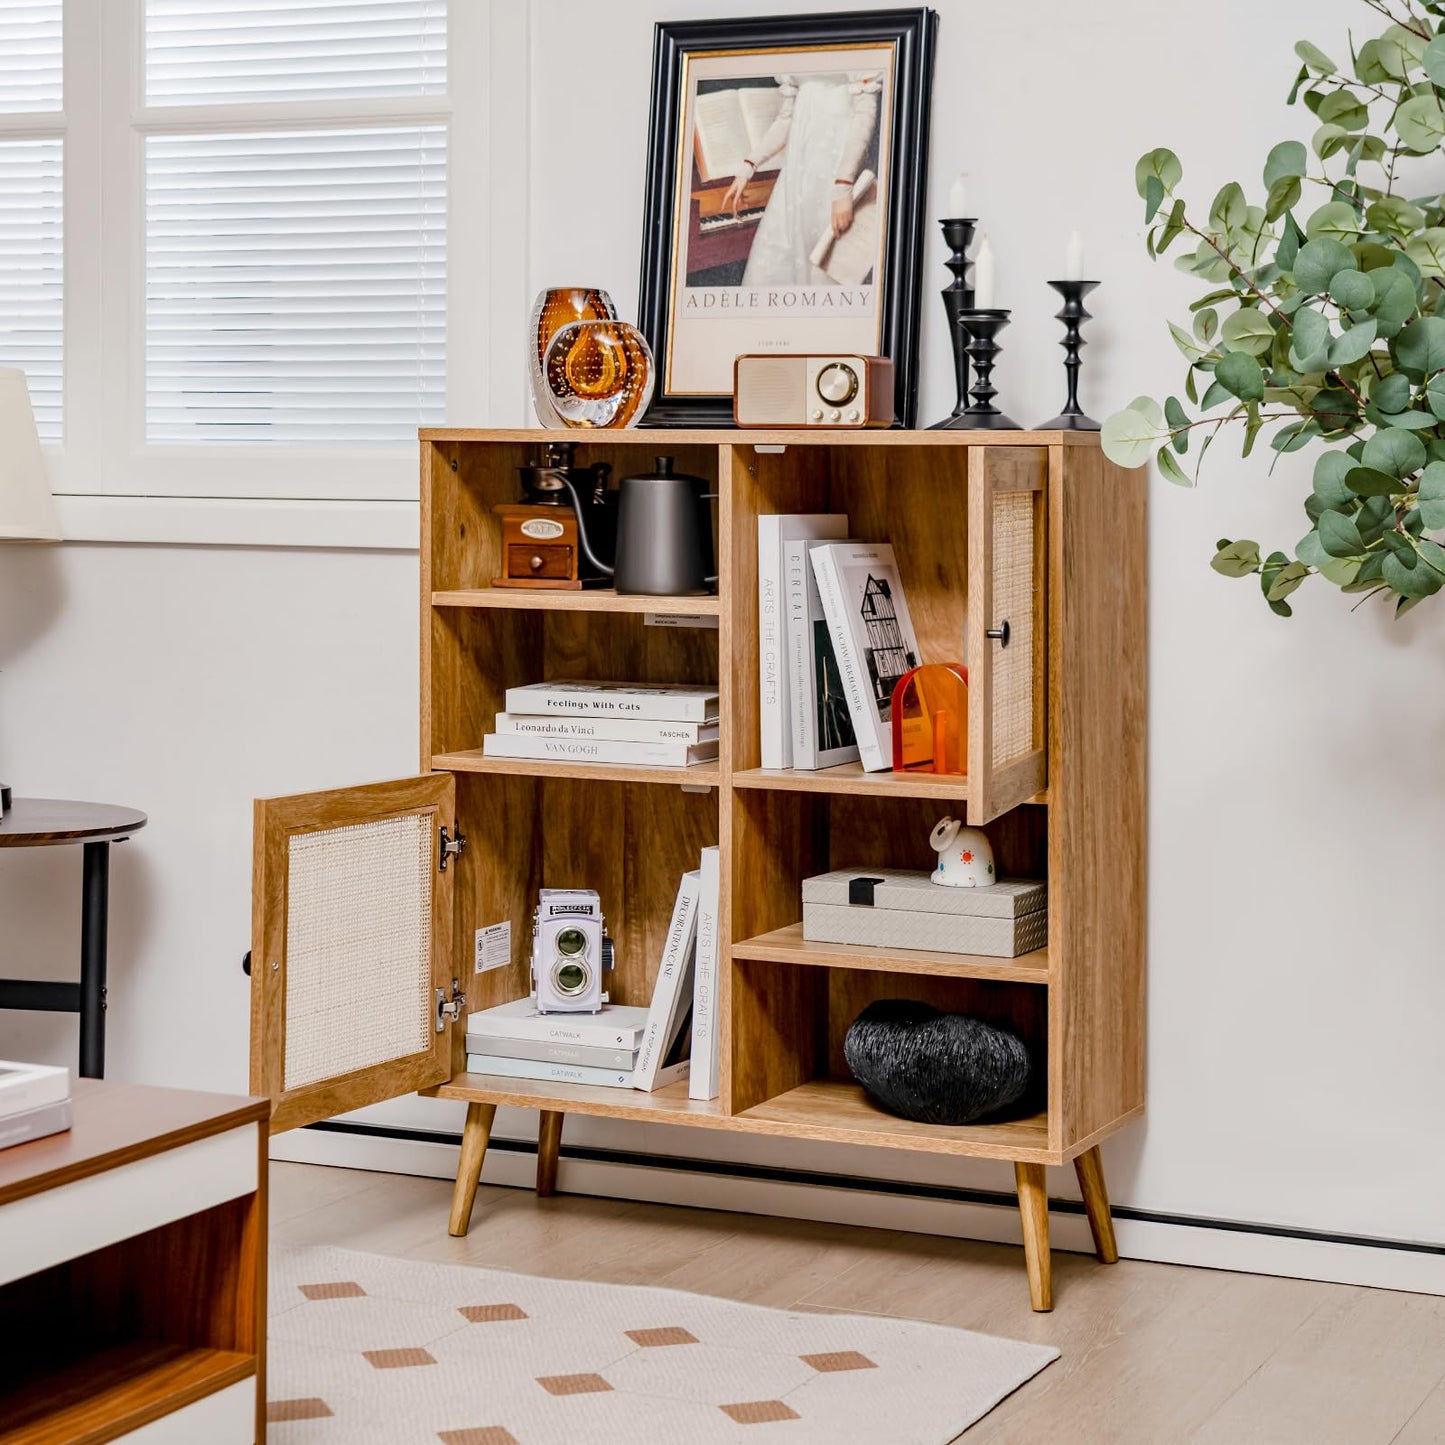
(934, 1067)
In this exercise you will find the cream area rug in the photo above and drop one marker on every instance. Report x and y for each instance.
(367, 1350)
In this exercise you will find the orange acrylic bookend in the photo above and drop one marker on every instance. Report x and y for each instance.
(930, 719)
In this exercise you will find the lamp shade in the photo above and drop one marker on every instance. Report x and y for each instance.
(27, 510)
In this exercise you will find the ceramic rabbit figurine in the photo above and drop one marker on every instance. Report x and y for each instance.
(965, 856)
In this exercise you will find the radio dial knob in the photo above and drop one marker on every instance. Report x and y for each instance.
(817, 413)
(837, 383)
(835, 415)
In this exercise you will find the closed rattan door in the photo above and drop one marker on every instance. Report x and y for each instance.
(1007, 628)
(351, 939)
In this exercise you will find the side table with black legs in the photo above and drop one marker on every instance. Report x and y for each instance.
(50, 823)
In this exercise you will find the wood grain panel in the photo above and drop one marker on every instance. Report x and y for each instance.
(1099, 638)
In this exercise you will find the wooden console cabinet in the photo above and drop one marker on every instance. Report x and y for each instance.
(365, 913)
(133, 1272)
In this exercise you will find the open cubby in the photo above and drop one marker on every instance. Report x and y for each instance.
(629, 841)
(988, 528)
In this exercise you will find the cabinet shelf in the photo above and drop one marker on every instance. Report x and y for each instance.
(472, 760)
(850, 778)
(787, 945)
(546, 599)
(117, 1389)
(836, 1110)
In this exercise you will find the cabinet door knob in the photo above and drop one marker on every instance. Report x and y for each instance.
(1000, 633)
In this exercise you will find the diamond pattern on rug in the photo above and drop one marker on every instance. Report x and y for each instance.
(344, 1289)
(573, 1384)
(397, 1359)
(838, 1360)
(434, 1354)
(485, 1314)
(759, 1412)
(279, 1411)
(666, 1335)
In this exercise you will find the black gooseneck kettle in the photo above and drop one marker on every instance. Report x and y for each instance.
(664, 533)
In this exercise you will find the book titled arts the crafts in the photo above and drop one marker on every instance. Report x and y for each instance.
(874, 643)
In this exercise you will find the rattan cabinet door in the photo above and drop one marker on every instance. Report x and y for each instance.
(351, 933)
(1007, 629)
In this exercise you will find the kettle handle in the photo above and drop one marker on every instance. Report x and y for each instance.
(606, 569)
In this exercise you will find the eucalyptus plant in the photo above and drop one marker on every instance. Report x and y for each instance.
(1322, 319)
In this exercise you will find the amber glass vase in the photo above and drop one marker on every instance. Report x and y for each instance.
(587, 368)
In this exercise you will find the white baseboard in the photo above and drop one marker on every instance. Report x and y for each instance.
(1167, 1242)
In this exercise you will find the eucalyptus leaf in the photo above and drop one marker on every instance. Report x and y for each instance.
(1420, 348)
(1341, 108)
(1339, 536)
(1352, 290)
(1163, 165)
(1413, 582)
(1435, 61)
(1397, 452)
(1392, 392)
(1395, 300)
(1190, 348)
(1427, 251)
(1286, 580)
(1288, 159)
(1129, 438)
(1314, 57)
(1239, 373)
(1311, 348)
(1353, 346)
(1435, 396)
(1340, 570)
(1368, 482)
(1236, 559)
(1334, 218)
(1420, 123)
(1328, 140)
(1178, 421)
(1171, 469)
(1228, 210)
(1319, 261)
(1248, 329)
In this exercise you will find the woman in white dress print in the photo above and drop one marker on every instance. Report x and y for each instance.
(824, 130)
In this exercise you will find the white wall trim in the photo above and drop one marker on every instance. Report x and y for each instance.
(1201, 1246)
(238, 522)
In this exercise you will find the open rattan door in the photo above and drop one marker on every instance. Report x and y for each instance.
(351, 924)
(1007, 628)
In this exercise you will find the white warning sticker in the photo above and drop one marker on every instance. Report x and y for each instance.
(494, 946)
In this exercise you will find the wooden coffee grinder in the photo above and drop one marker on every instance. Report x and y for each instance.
(553, 538)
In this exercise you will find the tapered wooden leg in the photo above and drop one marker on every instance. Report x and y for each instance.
(475, 1134)
(1034, 1211)
(549, 1143)
(1089, 1166)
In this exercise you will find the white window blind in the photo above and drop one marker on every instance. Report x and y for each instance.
(296, 285)
(32, 203)
(207, 52)
(30, 69)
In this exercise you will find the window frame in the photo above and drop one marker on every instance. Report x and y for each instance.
(109, 479)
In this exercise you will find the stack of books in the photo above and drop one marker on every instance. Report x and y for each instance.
(669, 725)
(834, 638)
(625, 1047)
(34, 1102)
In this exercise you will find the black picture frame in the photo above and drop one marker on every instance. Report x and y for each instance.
(913, 32)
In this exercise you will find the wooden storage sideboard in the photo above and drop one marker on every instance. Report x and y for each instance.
(133, 1272)
(1034, 528)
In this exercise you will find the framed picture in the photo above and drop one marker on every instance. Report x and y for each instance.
(786, 168)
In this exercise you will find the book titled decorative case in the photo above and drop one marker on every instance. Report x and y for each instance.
(1023, 555)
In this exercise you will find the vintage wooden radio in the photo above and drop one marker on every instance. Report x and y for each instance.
(543, 542)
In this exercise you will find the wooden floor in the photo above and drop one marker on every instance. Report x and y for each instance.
(1152, 1353)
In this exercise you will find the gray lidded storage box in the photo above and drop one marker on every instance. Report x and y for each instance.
(896, 908)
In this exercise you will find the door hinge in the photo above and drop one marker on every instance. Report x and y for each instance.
(450, 1009)
(448, 847)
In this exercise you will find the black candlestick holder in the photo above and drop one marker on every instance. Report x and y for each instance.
(957, 298)
(981, 328)
(1073, 315)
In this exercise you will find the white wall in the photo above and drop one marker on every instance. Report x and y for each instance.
(1297, 773)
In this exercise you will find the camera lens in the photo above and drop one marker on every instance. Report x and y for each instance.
(570, 978)
(571, 941)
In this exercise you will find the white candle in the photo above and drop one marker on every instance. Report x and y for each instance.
(957, 198)
(1074, 259)
(985, 275)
